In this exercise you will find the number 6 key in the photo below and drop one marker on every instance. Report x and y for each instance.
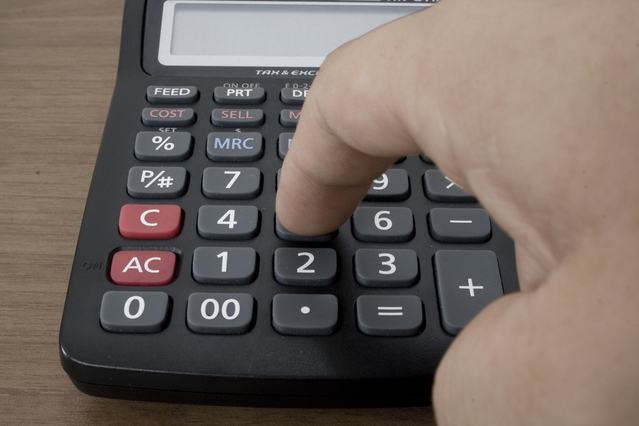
(383, 224)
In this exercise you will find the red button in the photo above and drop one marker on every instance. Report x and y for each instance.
(143, 267)
(150, 222)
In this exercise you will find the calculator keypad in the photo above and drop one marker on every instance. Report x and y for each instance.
(381, 230)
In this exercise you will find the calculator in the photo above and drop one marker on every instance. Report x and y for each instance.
(185, 287)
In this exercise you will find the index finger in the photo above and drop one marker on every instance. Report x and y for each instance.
(349, 133)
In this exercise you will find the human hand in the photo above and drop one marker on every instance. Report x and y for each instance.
(531, 106)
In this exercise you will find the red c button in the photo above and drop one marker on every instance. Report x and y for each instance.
(150, 222)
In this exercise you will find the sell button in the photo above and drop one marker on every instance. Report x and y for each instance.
(237, 117)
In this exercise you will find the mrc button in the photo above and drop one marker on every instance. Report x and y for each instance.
(143, 267)
(179, 117)
(234, 147)
(172, 94)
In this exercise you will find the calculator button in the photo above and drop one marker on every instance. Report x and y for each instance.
(393, 185)
(150, 222)
(236, 96)
(290, 96)
(383, 224)
(156, 182)
(234, 147)
(228, 222)
(390, 315)
(217, 313)
(134, 312)
(467, 281)
(459, 225)
(163, 146)
(290, 117)
(386, 268)
(426, 159)
(305, 314)
(224, 265)
(440, 188)
(237, 117)
(179, 117)
(305, 266)
(284, 144)
(240, 183)
(286, 235)
(143, 267)
(172, 94)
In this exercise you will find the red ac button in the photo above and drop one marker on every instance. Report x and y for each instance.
(143, 267)
(150, 222)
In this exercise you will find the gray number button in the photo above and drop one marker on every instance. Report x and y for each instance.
(228, 222)
(383, 225)
(393, 185)
(239, 183)
(305, 267)
(220, 313)
(134, 312)
(386, 268)
(224, 265)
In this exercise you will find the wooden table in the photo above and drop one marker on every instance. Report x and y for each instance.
(58, 61)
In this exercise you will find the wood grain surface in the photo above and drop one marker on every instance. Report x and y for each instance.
(58, 62)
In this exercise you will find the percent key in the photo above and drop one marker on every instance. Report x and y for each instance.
(163, 146)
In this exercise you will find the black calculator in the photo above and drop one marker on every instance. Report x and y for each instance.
(186, 288)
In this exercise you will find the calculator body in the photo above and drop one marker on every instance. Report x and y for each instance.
(270, 358)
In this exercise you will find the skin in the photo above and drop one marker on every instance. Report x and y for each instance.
(534, 108)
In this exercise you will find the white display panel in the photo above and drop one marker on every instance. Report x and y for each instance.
(266, 34)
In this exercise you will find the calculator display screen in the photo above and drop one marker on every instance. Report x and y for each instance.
(266, 33)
